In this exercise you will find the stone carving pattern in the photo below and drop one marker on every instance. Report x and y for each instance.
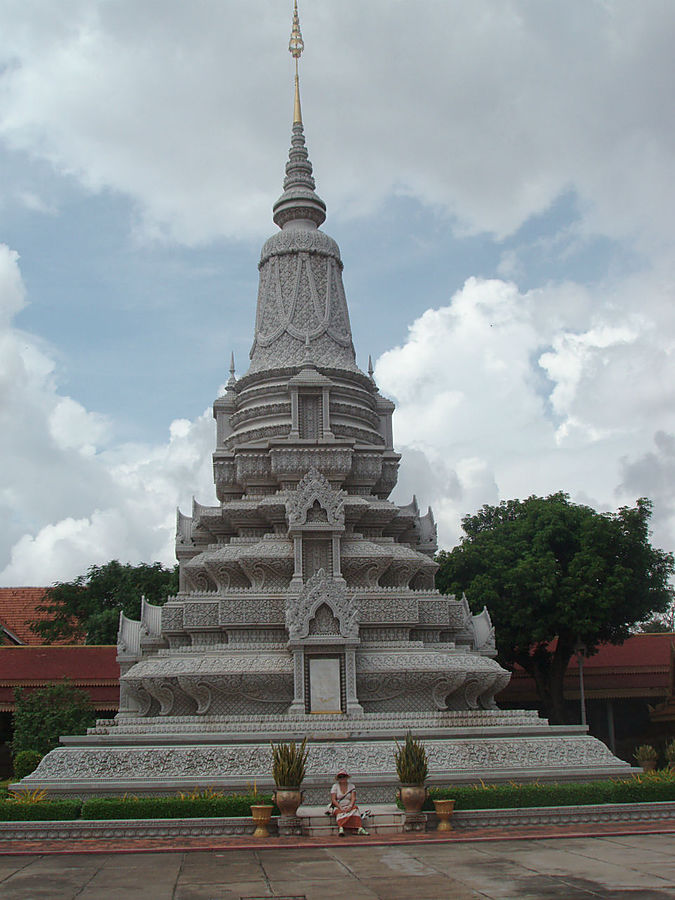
(324, 622)
(359, 434)
(296, 461)
(320, 590)
(172, 618)
(256, 434)
(384, 634)
(259, 636)
(433, 612)
(265, 611)
(198, 691)
(367, 466)
(351, 410)
(384, 611)
(313, 487)
(367, 758)
(200, 615)
(162, 692)
(256, 412)
(309, 417)
(313, 241)
(316, 555)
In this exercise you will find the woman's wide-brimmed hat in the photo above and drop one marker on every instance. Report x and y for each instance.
(342, 773)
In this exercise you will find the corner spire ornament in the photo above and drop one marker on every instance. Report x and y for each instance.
(295, 46)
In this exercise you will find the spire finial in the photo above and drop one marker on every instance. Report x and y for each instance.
(299, 205)
(370, 367)
(232, 381)
(296, 45)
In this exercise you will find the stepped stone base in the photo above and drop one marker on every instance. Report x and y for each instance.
(123, 756)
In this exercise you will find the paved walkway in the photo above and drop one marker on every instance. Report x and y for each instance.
(631, 866)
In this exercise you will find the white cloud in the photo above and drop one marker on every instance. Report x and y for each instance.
(502, 392)
(502, 399)
(516, 103)
(70, 499)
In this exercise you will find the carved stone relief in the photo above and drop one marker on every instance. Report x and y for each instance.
(315, 488)
(321, 590)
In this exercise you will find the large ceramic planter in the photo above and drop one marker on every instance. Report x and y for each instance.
(261, 815)
(648, 765)
(412, 796)
(444, 810)
(288, 800)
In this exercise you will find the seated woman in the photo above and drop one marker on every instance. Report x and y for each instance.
(343, 805)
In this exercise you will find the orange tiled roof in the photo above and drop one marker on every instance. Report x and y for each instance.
(18, 606)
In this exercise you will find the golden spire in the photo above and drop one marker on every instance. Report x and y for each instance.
(296, 45)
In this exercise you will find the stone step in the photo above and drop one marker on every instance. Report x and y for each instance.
(332, 830)
(384, 818)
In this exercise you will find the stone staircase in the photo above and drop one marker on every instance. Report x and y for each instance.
(384, 818)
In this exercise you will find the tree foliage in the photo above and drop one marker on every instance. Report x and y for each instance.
(89, 606)
(43, 715)
(555, 575)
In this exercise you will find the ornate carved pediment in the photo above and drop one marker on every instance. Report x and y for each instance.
(320, 592)
(315, 502)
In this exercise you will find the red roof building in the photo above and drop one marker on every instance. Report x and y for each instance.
(27, 662)
(91, 668)
(18, 608)
(628, 692)
(640, 667)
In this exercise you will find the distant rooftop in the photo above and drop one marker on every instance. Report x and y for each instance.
(18, 607)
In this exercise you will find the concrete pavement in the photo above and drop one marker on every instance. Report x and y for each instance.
(637, 866)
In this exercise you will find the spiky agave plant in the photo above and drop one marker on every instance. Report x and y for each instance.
(412, 765)
(288, 765)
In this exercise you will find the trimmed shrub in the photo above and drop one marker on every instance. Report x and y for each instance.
(25, 762)
(186, 807)
(44, 811)
(650, 787)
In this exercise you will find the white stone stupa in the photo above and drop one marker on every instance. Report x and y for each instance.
(307, 604)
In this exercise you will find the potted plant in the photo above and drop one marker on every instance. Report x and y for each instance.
(288, 768)
(261, 813)
(670, 755)
(412, 768)
(647, 756)
(444, 810)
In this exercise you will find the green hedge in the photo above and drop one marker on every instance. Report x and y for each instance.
(44, 811)
(171, 807)
(639, 789)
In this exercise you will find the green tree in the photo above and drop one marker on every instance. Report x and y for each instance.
(43, 715)
(90, 605)
(663, 622)
(554, 575)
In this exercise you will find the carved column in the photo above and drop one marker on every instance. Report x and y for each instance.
(327, 433)
(295, 422)
(354, 708)
(337, 573)
(297, 707)
(296, 581)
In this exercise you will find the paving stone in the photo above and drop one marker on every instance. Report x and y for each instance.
(434, 887)
(206, 868)
(36, 886)
(233, 891)
(343, 889)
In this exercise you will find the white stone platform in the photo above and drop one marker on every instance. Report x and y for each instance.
(231, 754)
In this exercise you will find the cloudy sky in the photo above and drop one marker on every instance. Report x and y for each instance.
(499, 175)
